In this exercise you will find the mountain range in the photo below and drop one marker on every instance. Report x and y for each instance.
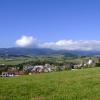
(46, 52)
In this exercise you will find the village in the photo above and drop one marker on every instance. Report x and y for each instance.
(46, 68)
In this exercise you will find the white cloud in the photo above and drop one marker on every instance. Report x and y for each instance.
(26, 41)
(73, 45)
(29, 41)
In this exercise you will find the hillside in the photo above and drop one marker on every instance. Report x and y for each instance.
(81, 84)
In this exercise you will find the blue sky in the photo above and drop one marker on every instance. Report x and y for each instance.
(49, 20)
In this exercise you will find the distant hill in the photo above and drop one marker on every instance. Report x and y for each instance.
(33, 52)
(41, 51)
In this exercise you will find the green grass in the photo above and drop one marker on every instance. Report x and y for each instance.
(83, 84)
(46, 59)
(15, 60)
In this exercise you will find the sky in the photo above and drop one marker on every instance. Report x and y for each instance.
(67, 24)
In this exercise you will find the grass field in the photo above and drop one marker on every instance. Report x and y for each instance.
(20, 60)
(83, 84)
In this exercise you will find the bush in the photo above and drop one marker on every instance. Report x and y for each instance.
(97, 65)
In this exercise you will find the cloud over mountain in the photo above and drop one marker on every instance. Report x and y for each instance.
(29, 41)
(74, 45)
(26, 41)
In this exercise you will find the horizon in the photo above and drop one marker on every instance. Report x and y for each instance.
(54, 24)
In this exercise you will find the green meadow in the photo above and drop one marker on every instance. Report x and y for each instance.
(82, 84)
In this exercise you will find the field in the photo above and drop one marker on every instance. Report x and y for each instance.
(45, 59)
(83, 84)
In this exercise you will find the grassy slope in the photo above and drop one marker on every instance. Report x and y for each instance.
(81, 84)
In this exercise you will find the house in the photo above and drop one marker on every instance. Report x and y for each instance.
(38, 69)
(91, 63)
(7, 74)
(47, 68)
(11, 74)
